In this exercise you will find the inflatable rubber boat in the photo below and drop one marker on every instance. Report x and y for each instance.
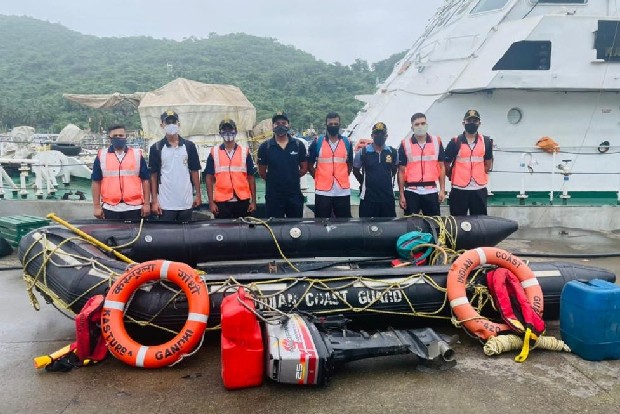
(360, 284)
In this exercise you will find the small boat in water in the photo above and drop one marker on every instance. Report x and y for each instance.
(322, 272)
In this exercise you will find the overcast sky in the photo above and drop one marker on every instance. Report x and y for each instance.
(331, 30)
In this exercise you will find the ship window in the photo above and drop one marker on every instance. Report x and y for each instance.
(526, 55)
(607, 41)
(488, 5)
(561, 1)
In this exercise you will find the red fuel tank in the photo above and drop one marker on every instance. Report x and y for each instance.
(242, 343)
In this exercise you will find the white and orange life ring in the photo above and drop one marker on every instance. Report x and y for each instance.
(475, 324)
(123, 347)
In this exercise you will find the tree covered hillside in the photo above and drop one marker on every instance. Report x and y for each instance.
(41, 61)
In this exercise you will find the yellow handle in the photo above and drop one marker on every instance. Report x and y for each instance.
(525, 351)
(45, 360)
(90, 238)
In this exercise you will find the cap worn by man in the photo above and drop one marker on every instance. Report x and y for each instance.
(228, 123)
(472, 113)
(279, 115)
(379, 128)
(169, 114)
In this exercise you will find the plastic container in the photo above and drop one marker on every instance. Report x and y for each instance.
(242, 343)
(590, 319)
(13, 228)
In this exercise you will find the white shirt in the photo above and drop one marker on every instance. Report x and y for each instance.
(175, 187)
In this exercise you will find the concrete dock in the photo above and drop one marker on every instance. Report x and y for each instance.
(547, 382)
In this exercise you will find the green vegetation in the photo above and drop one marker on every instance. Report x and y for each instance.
(41, 61)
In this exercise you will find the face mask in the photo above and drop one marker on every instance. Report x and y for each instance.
(471, 128)
(280, 130)
(420, 131)
(379, 140)
(333, 130)
(119, 143)
(228, 136)
(171, 129)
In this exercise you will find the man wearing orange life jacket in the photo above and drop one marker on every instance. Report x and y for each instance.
(469, 158)
(421, 169)
(120, 186)
(330, 161)
(229, 176)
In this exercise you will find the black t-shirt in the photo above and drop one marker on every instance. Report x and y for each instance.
(282, 166)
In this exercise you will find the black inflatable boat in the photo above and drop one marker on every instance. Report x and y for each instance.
(336, 279)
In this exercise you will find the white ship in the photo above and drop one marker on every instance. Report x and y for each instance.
(532, 69)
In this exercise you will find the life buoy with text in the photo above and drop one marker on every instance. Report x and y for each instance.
(123, 347)
(475, 324)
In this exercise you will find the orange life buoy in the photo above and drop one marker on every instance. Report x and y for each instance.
(122, 346)
(457, 280)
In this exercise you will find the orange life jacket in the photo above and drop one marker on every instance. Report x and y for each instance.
(423, 167)
(469, 164)
(231, 175)
(121, 180)
(331, 165)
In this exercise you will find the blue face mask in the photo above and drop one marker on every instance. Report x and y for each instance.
(119, 143)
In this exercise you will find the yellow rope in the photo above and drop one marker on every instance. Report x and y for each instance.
(254, 220)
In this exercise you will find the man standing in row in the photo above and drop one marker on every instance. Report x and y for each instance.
(421, 168)
(330, 160)
(469, 158)
(229, 173)
(375, 166)
(282, 161)
(120, 180)
(175, 169)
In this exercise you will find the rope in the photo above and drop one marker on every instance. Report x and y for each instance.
(254, 220)
(503, 343)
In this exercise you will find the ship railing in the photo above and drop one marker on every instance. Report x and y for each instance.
(560, 165)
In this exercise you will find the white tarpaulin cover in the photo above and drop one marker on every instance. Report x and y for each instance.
(200, 106)
(105, 100)
(71, 134)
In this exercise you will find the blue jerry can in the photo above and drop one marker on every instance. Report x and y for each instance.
(590, 319)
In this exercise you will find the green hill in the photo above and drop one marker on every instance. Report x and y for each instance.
(41, 61)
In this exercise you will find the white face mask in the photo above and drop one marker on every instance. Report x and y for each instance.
(420, 131)
(171, 129)
(228, 136)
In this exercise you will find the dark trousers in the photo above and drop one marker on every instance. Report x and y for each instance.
(427, 203)
(473, 200)
(232, 209)
(377, 209)
(130, 215)
(325, 206)
(285, 206)
(176, 215)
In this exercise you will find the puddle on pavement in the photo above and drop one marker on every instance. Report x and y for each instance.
(564, 240)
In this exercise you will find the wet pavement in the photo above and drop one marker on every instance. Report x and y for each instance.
(547, 382)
